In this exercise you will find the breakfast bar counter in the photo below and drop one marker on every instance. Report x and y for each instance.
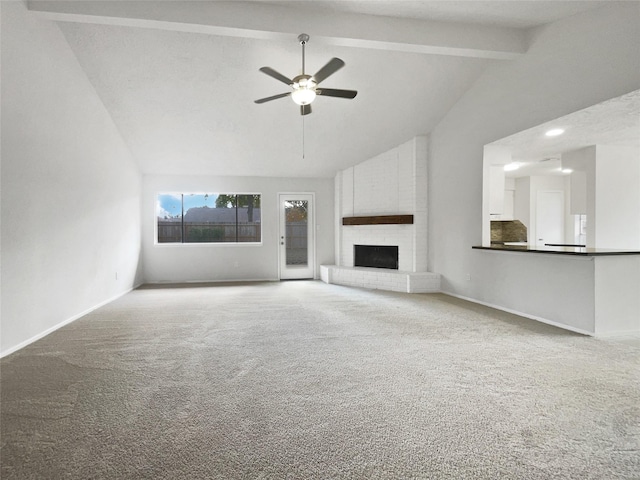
(593, 291)
(560, 250)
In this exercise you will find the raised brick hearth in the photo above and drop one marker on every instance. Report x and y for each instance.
(381, 279)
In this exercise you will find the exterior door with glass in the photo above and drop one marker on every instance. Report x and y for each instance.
(296, 242)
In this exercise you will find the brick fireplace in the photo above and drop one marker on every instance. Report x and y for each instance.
(391, 187)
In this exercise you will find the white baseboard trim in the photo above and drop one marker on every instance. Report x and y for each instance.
(522, 314)
(63, 323)
(189, 282)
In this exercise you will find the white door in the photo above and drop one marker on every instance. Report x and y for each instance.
(296, 242)
(550, 217)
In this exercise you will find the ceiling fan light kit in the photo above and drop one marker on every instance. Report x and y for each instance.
(304, 88)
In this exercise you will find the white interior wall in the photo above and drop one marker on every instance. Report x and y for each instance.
(569, 219)
(589, 158)
(578, 187)
(617, 303)
(580, 161)
(515, 281)
(222, 262)
(70, 189)
(605, 185)
(570, 65)
(617, 179)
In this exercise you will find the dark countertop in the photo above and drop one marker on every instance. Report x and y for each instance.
(582, 251)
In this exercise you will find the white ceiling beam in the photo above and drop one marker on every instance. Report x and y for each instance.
(267, 21)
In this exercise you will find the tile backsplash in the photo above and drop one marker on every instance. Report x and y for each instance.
(508, 231)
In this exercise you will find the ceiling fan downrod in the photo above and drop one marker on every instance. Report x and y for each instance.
(303, 38)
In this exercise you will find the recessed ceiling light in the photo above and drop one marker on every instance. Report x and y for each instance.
(510, 167)
(566, 170)
(554, 132)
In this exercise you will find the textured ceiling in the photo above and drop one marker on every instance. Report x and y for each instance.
(613, 122)
(184, 101)
(183, 98)
(505, 13)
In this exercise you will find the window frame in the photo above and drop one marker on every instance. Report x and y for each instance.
(192, 244)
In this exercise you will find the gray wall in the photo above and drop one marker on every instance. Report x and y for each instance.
(570, 65)
(70, 190)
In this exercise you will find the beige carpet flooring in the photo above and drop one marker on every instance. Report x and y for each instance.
(302, 380)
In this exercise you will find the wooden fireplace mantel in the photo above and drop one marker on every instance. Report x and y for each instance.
(379, 220)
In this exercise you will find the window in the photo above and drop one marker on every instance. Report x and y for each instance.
(208, 218)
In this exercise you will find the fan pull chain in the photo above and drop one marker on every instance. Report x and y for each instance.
(303, 137)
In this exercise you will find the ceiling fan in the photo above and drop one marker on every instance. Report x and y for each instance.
(305, 87)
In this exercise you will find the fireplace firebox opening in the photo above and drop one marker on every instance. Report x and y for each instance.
(376, 256)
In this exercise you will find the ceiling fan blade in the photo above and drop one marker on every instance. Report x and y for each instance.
(330, 68)
(332, 92)
(274, 97)
(277, 75)
(305, 109)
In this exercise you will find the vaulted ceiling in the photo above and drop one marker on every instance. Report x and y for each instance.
(180, 78)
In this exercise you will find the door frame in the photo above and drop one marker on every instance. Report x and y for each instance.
(281, 229)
